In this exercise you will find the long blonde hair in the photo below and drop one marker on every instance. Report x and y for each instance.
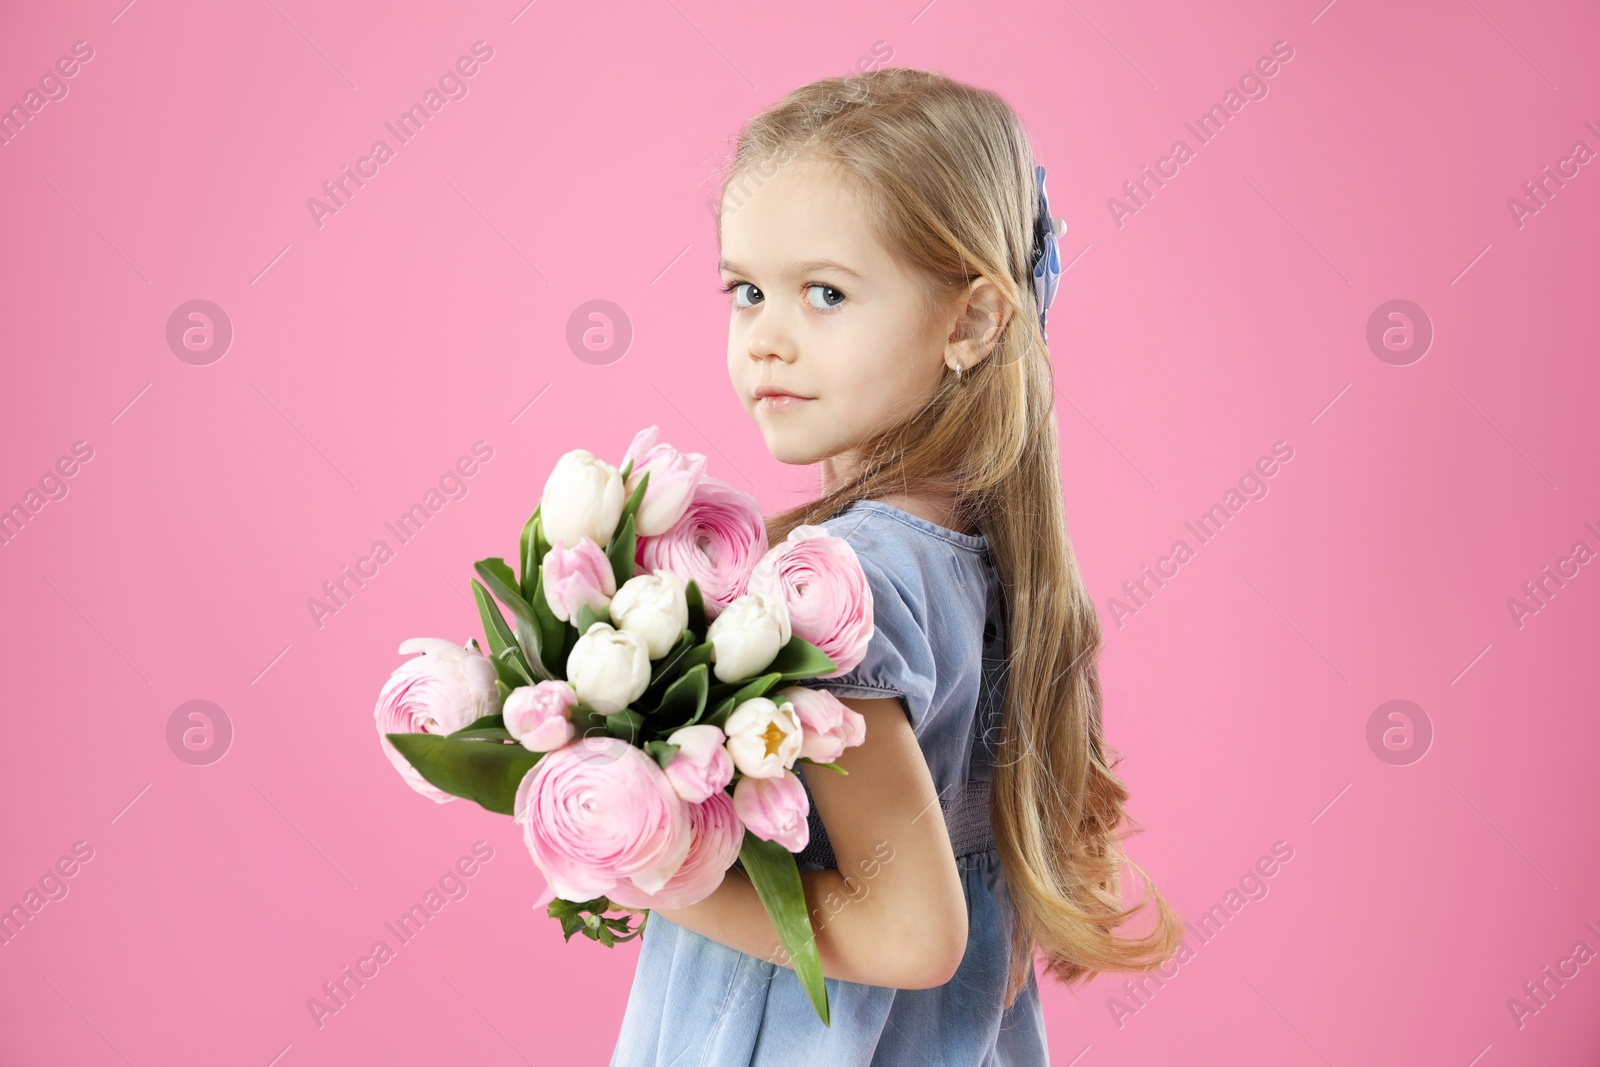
(948, 173)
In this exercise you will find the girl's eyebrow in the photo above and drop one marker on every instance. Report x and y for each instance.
(799, 268)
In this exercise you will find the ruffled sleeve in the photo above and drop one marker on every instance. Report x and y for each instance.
(899, 661)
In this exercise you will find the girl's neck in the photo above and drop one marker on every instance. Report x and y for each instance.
(937, 508)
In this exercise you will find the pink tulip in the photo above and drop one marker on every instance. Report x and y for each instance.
(820, 580)
(714, 544)
(827, 726)
(592, 818)
(540, 716)
(576, 576)
(774, 809)
(718, 836)
(674, 476)
(437, 693)
(702, 766)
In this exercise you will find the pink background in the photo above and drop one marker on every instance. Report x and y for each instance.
(1228, 313)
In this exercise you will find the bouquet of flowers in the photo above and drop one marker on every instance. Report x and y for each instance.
(634, 714)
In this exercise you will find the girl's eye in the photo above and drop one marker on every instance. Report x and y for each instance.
(831, 297)
(755, 294)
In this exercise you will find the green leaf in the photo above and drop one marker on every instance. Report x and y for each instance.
(498, 577)
(511, 658)
(528, 557)
(500, 638)
(755, 687)
(626, 724)
(485, 723)
(831, 766)
(492, 733)
(697, 608)
(622, 548)
(776, 876)
(667, 665)
(800, 659)
(587, 617)
(627, 469)
(685, 698)
(503, 584)
(664, 753)
(481, 771)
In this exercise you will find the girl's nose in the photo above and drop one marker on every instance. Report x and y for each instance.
(769, 340)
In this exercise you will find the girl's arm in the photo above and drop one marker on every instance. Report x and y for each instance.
(893, 913)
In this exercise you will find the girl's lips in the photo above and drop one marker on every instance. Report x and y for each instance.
(781, 401)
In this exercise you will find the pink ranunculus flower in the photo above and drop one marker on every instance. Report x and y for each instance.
(716, 542)
(440, 692)
(702, 766)
(592, 818)
(577, 576)
(540, 716)
(717, 837)
(820, 579)
(774, 809)
(674, 476)
(827, 726)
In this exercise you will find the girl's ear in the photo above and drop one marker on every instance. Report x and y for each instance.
(980, 313)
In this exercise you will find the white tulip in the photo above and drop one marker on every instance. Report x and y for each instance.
(583, 497)
(764, 737)
(654, 606)
(609, 668)
(747, 634)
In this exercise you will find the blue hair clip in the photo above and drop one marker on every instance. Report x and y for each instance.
(1046, 252)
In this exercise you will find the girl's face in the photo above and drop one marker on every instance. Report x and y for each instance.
(821, 310)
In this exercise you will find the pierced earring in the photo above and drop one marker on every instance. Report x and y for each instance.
(958, 371)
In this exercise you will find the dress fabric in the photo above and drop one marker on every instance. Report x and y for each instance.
(939, 645)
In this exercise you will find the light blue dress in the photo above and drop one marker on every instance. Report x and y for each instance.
(938, 644)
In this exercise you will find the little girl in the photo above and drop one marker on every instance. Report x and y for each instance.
(881, 239)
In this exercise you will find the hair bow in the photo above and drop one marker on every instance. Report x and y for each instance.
(1046, 251)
